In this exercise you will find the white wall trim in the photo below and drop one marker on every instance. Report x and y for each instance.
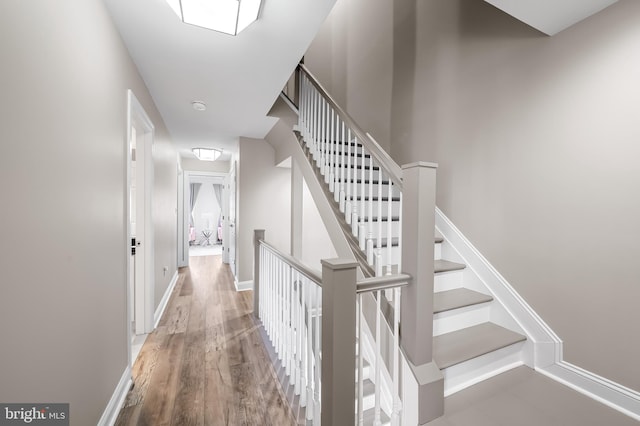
(165, 300)
(547, 345)
(612, 394)
(243, 285)
(112, 409)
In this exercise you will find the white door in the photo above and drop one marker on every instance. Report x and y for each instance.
(139, 220)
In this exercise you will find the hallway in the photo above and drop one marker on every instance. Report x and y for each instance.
(205, 363)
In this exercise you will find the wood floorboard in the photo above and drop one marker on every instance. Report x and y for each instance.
(205, 364)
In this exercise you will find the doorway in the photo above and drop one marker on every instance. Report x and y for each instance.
(203, 214)
(139, 225)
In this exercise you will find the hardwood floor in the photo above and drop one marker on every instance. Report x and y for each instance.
(205, 364)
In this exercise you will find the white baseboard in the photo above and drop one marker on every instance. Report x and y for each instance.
(614, 395)
(110, 413)
(243, 285)
(165, 299)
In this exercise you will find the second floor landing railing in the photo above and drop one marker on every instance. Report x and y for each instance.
(317, 327)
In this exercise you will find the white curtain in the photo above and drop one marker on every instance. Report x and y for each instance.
(195, 189)
(217, 190)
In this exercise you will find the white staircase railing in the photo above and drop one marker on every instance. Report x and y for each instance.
(365, 182)
(317, 326)
(387, 215)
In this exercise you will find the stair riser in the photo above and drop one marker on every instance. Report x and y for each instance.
(448, 280)
(457, 319)
(437, 251)
(463, 375)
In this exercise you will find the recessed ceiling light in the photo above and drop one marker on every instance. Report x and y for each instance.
(199, 106)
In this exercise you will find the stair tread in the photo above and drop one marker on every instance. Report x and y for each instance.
(395, 241)
(438, 240)
(457, 298)
(462, 345)
(441, 265)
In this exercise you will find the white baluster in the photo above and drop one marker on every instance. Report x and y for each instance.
(362, 235)
(267, 314)
(400, 232)
(363, 207)
(332, 153)
(360, 387)
(397, 405)
(370, 257)
(302, 117)
(378, 362)
(310, 358)
(318, 364)
(296, 332)
(343, 170)
(389, 227)
(378, 263)
(370, 223)
(287, 324)
(303, 343)
(354, 220)
(347, 208)
(379, 221)
(316, 127)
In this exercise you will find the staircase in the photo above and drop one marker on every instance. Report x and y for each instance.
(467, 345)
(473, 335)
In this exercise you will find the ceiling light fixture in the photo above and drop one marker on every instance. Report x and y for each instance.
(227, 16)
(207, 154)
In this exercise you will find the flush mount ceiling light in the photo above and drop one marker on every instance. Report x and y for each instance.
(207, 154)
(227, 16)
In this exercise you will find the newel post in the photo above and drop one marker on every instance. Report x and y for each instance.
(338, 342)
(258, 234)
(416, 321)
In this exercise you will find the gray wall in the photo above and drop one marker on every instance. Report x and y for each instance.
(537, 142)
(64, 77)
(264, 202)
(194, 165)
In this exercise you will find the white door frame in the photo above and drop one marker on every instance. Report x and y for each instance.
(138, 118)
(183, 250)
(231, 222)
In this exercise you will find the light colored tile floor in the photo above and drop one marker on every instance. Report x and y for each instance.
(213, 250)
(522, 397)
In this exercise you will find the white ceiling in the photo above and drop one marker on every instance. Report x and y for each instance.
(551, 16)
(238, 77)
